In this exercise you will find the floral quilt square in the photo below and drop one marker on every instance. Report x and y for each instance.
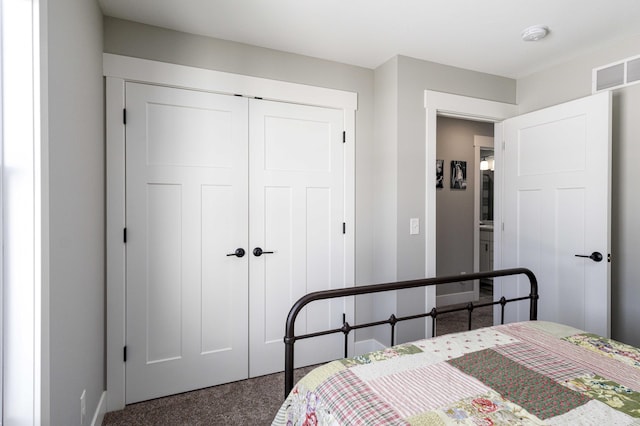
(610, 348)
(611, 393)
(382, 355)
(486, 409)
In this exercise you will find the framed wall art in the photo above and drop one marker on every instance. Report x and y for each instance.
(458, 174)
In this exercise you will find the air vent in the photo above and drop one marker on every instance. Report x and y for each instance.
(633, 70)
(612, 76)
(617, 74)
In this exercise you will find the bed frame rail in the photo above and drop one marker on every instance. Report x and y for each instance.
(290, 337)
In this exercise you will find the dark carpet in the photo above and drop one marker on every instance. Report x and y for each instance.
(455, 322)
(249, 402)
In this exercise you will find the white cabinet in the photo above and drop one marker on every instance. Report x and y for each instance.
(486, 249)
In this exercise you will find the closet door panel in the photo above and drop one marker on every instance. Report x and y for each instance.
(296, 194)
(186, 209)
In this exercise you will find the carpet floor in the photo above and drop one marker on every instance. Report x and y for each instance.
(247, 402)
(455, 322)
(253, 401)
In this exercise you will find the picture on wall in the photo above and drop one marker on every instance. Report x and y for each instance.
(458, 175)
(439, 173)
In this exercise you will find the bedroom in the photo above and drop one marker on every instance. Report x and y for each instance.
(77, 279)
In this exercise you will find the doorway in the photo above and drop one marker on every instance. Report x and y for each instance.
(464, 194)
(597, 110)
(483, 215)
(457, 213)
(446, 104)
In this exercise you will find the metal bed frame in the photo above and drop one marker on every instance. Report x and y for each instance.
(290, 337)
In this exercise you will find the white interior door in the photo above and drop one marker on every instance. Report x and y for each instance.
(186, 209)
(556, 206)
(297, 213)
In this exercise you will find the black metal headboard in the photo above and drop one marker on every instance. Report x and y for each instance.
(290, 337)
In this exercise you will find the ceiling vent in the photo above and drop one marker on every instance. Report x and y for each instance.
(617, 74)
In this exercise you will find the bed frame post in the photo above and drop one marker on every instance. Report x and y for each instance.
(288, 364)
(533, 306)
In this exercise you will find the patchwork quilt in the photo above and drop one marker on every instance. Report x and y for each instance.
(530, 373)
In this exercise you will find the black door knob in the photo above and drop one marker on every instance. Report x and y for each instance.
(596, 256)
(259, 252)
(238, 253)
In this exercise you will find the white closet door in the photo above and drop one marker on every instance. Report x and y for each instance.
(186, 202)
(297, 212)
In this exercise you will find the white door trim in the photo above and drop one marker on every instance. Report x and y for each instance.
(478, 143)
(146, 71)
(120, 69)
(446, 104)
(116, 255)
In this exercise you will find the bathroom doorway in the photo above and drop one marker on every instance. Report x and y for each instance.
(484, 205)
(457, 201)
(485, 247)
(459, 194)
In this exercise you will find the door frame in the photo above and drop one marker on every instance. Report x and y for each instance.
(479, 142)
(467, 108)
(118, 70)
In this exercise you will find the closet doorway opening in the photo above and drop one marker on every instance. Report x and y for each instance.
(483, 214)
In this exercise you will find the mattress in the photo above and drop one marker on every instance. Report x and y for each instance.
(522, 373)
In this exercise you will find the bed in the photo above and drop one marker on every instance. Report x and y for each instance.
(531, 372)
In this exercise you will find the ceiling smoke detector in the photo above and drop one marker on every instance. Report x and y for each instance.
(535, 33)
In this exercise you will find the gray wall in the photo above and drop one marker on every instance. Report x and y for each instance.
(385, 181)
(625, 243)
(572, 80)
(76, 208)
(454, 209)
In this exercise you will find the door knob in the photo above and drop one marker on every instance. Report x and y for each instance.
(258, 252)
(596, 256)
(238, 253)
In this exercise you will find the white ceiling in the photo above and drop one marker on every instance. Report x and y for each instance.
(482, 35)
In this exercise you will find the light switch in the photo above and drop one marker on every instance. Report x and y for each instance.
(414, 226)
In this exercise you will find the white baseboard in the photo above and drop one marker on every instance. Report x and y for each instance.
(455, 298)
(366, 346)
(101, 410)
